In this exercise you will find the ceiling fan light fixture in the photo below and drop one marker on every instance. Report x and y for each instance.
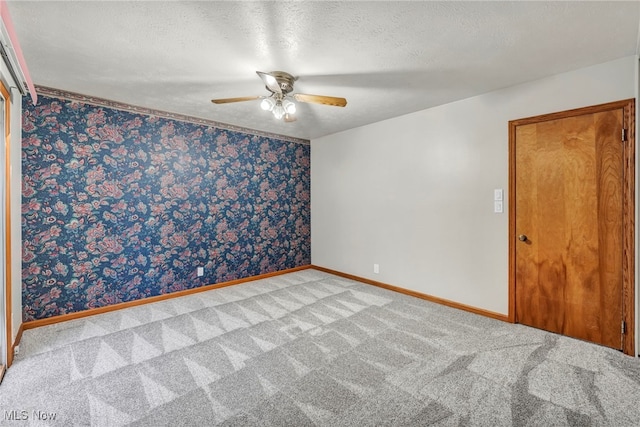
(278, 111)
(267, 104)
(289, 107)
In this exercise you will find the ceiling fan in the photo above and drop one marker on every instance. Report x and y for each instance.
(280, 100)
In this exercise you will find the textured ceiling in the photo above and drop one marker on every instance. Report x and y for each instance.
(386, 58)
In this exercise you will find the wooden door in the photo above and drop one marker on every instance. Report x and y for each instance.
(569, 196)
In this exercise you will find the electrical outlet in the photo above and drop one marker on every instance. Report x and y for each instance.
(200, 271)
(376, 268)
(16, 350)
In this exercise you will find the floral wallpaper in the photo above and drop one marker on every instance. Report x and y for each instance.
(119, 206)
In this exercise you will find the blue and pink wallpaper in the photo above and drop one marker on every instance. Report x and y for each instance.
(119, 206)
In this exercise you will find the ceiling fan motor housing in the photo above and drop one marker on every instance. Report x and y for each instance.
(285, 81)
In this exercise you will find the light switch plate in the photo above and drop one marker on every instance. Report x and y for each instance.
(498, 194)
(200, 271)
(497, 207)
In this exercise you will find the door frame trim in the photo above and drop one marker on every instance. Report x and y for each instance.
(8, 286)
(628, 207)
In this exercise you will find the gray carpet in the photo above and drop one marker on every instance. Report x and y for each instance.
(309, 348)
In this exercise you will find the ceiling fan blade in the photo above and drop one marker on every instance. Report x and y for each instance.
(270, 81)
(320, 99)
(240, 99)
(289, 118)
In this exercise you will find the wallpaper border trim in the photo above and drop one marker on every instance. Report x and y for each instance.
(102, 102)
(148, 300)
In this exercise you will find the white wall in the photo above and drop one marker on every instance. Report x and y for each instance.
(415, 193)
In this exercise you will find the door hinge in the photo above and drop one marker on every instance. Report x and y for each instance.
(623, 329)
(624, 135)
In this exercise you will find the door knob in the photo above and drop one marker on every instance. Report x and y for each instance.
(522, 238)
